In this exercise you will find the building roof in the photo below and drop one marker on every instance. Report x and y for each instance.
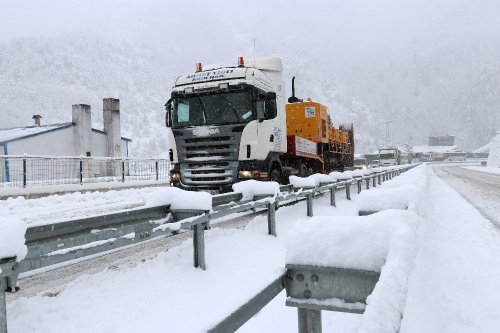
(18, 133)
(435, 149)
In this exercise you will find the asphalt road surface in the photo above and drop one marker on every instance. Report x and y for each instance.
(481, 189)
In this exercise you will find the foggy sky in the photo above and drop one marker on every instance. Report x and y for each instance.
(360, 43)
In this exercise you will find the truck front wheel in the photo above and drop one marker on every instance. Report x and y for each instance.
(275, 176)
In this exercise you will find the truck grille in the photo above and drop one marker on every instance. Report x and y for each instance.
(208, 161)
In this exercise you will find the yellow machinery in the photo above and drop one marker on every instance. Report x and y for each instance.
(314, 144)
(309, 120)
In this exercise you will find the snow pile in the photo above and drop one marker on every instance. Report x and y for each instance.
(12, 231)
(384, 242)
(251, 188)
(367, 172)
(321, 178)
(341, 175)
(376, 200)
(179, 199)
(347, 242)
(357, 173)
(410, 186)
(494, 155)
(299, 182)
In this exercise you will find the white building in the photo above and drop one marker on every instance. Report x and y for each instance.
(73, 138)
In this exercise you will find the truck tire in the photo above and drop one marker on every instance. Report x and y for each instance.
(303, 170)
(275, 176)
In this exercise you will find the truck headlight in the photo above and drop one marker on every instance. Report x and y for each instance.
(245, 174)
(175, 176)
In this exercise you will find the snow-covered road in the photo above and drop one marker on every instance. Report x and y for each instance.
(481, 189)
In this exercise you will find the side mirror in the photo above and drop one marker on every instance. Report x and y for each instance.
(270, 112)
(168, 113)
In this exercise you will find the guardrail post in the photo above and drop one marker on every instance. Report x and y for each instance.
(199, 245)
(123, 171)
(81, 170)
(9, 271)
(374, 184)
(359, 185)
(271, 219)
(379, 179)
(156, 169)
(309, 321)
(348, 190)
(310, 204)
(367, 183)
(332, 195)
(3, 307)
(25, 171)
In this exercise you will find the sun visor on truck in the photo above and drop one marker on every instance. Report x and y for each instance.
(212, 75)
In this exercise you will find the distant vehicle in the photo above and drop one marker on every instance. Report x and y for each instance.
(389, 156)
(360, 163)
(375, 164)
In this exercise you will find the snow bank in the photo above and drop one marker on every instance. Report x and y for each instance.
(454, 286)
(251, 188)
(376, 200)
(357, 173)
(342, 175)
(409, 187)
(313, 180)
(347, 242)
(494, 155)
(179, 199)
(299, 182)
(12, 231)
(384, 242)
(322, 178)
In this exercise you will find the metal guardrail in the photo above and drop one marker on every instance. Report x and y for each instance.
(66, 241)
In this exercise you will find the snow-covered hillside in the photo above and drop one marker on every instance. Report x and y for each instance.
(47, 75)
(431, 67)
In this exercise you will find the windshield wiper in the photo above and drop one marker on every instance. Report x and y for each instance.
(232, 107)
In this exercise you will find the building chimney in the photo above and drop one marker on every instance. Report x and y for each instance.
(37, 118)
(81, 117)
(111, 117)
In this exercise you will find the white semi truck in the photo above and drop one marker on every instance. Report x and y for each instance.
(227, 123)
(389, 156)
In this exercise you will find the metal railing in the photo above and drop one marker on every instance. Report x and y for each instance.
(66, 241)
(29, 171)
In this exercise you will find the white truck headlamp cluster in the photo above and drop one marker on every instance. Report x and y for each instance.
(175, 176)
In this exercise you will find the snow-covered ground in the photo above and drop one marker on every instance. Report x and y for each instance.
(57, 208)
(482, 190)
(495, 171)
(453, 286)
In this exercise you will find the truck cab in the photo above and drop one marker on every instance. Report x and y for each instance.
(226, 123)
(389, 156)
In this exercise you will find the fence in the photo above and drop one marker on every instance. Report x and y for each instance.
(27, 170)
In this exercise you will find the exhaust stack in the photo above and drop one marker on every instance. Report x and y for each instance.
(293, 99)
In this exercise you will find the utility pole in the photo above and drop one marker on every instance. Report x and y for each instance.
(387, 133)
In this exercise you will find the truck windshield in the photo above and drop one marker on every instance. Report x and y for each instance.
(386, 156)
(213, 109)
